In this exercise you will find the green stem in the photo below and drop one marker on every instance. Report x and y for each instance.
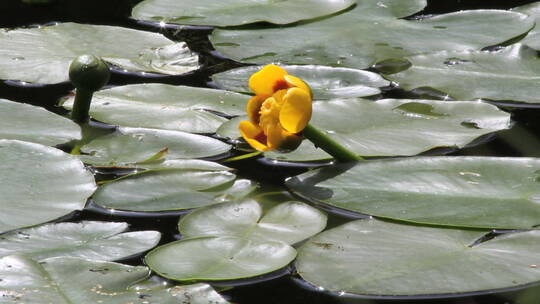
(81, 105)
(330, 146)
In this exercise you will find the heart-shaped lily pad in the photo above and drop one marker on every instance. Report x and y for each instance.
(39, 184)
(393, 126)
(486, 192)
(162, 106)
(129, 146)
(508, 74)
(533, 37)
(372, 31)
(218, 258)
(30, 123)
(236, 12)
(193, 184)
(271, 216)
(325, 82)
(105, 241)
(43, 54)
(375, 258)
(66, 280)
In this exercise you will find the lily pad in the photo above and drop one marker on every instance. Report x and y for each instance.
(162, 106)
(272, 217)
(66, 280)
(129, 146)
(394, 126)
(35, 124)
(218, 258)
(482, 192)
(372, 31)
(43, 54)
(375, 258)
(325, 82)
(508, 74)
(39, 184)
(533, 37)
(235, 12)
(186, 187)
(105, 241)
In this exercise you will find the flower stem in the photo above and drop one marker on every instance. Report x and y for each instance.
(81, 105)
(330, 146)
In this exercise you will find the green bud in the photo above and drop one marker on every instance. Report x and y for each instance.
(89, 72)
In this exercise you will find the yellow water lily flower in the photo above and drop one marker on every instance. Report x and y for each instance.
(279, 111)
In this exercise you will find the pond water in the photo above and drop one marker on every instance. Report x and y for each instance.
(282, 287)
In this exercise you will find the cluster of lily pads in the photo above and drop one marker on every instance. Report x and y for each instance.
(430, 219)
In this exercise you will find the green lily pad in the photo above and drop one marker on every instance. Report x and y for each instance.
(508, 74)
(482, 192)
(105, 241)
(35, 124)
(218, 258)
(39, 184)
(393, 126)
(129, 146)
(325, 82)
(372, 31)
(43, 54)
(533, 37)
(66, 280)
(272, 217)
(186, 187)
(236, 12)
(161, 106)
(375, 258)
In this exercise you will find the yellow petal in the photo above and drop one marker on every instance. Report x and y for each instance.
(297, 82)
(253, 107)
(290, 142)
(265, 81)
(296, 110)
(252, 134)
(275, 136)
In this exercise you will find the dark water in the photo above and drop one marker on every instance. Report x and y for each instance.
(281, 287)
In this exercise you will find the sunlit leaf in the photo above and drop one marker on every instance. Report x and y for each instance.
(372, 31)
(30, 123)
(218, 258)
(271, 216)
(43, 54)
(67, 280)
(325, 82)
(162, 106)
(39, 184)
(488, 192)
(193, 184)
(129, 146)
(508, 74)
(235, 12)
(370, 257)
(105, 241)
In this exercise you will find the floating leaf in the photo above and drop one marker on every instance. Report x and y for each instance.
(218, 258)
(162, 106)
(66, 280)
(375, 258)
(43, 54)
(39, 184)
(106, 241)
(508, 74)
(325, 82)
(129, 146)
(370, 32)
(237, 12)
(487, 192)
(192, 185)
(533, 37)
(271, 216)
(394, 126)
(35, 124)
